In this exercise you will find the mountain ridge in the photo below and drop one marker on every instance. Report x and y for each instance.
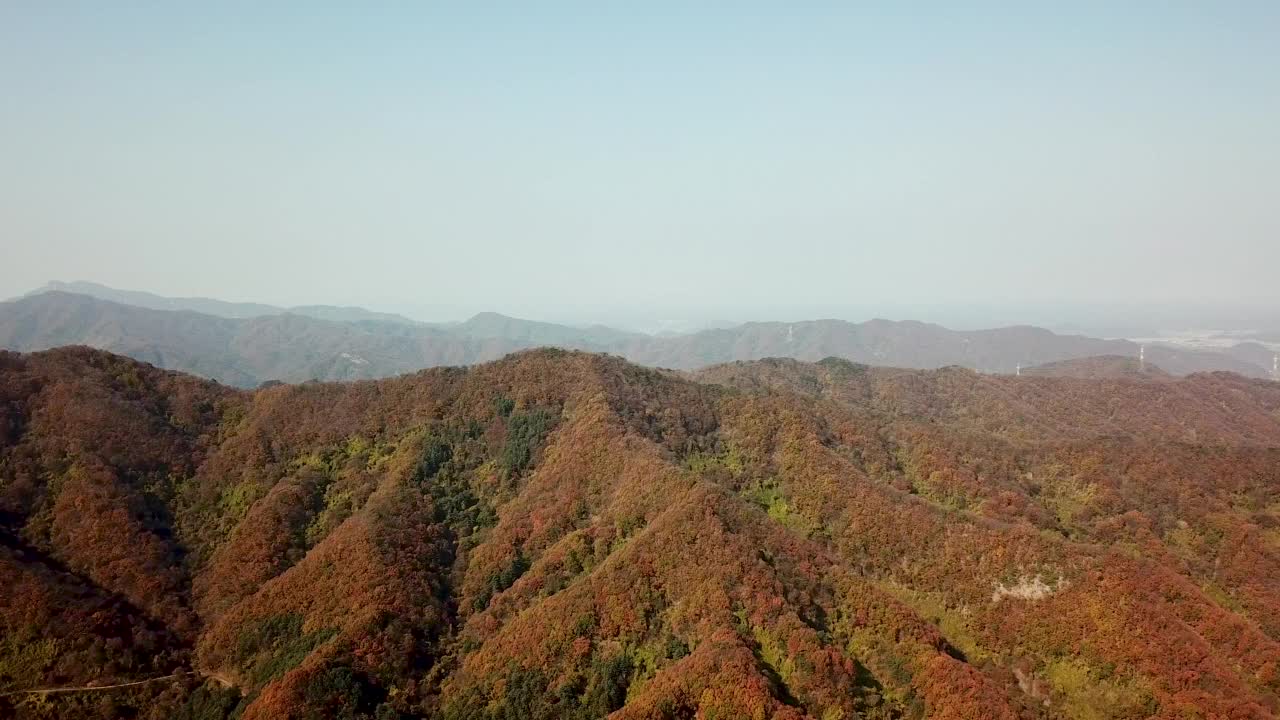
(215, 307)
(294, 348)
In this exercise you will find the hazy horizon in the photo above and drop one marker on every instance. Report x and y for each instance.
(656, 167)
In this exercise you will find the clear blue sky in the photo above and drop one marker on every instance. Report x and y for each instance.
(606, 161)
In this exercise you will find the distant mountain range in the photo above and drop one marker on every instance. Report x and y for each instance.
(218, 308)
(246, 344)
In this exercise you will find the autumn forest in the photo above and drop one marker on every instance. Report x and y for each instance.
(559, 534)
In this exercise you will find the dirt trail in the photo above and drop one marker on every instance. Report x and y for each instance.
(90, 688)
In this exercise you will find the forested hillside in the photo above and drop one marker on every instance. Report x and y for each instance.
(566, 535)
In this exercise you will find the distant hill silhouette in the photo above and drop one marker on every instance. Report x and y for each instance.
(218, 308)
(293, 347)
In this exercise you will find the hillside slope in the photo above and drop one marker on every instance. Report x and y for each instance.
(1109, 367)
(560, 534)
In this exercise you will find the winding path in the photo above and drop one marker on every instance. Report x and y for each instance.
(90, 688)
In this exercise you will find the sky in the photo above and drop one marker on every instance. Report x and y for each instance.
(648, 163)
